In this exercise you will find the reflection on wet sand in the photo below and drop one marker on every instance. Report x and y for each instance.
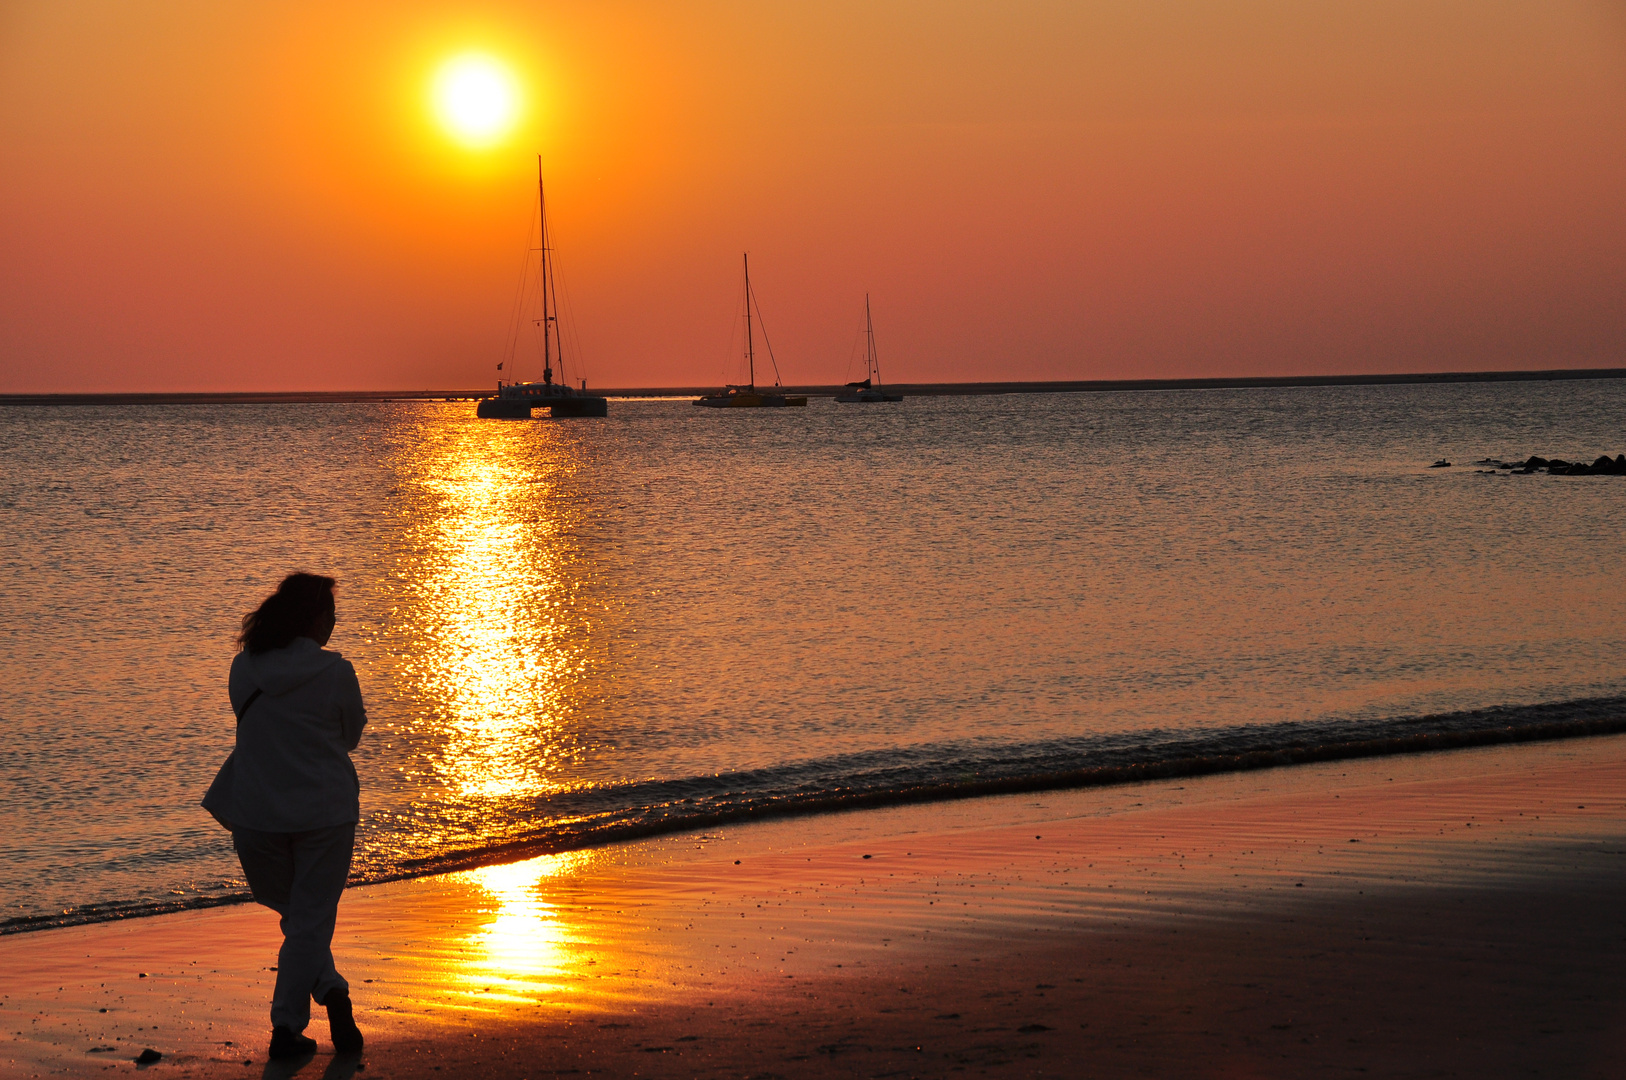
(525, 950)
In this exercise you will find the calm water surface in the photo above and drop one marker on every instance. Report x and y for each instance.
(566, 626)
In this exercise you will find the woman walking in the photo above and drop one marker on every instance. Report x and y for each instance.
(290, 797)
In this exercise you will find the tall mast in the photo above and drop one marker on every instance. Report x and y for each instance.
(874, 363)
(750, 353)
(542, 209)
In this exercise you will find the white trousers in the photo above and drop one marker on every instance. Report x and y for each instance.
(300, 876)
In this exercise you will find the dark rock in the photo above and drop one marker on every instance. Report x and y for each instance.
(1604, 465)
(1533, 462)
(148, 1057)
(1441, 464)
(1557, 463)
(1620, 464)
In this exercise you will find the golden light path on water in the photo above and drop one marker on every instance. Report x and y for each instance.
(497, 643)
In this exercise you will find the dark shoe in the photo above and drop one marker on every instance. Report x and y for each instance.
(341, 1023)
(288, 1043)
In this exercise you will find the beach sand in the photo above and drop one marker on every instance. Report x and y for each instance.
(1447, 914)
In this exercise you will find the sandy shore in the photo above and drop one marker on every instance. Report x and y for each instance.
(1447, 914)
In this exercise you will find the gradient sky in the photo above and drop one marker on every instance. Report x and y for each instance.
(207, 196)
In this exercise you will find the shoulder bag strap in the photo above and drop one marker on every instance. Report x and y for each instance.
(252, 698)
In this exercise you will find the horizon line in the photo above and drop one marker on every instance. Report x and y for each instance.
(934, 389)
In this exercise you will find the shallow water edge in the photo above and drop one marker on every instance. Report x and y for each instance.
(1229, 752)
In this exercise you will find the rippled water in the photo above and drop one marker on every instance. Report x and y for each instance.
(561, 626)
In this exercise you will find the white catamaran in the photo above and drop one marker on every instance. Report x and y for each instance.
(515, 400)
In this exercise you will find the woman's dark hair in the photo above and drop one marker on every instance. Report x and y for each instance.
(299, 601)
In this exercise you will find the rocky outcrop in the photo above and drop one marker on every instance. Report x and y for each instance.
(1604, 465)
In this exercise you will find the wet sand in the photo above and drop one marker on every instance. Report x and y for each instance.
(1445, 914)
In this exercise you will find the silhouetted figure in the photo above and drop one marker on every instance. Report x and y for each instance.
(290, 797)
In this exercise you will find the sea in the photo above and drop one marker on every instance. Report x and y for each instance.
(571, 632)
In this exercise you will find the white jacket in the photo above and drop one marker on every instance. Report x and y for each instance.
(291, 768)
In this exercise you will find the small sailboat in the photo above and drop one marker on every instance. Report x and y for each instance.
(746, 395)
(869, 388)
(515, 400)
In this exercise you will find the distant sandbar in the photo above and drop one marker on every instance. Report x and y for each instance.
(946, 389)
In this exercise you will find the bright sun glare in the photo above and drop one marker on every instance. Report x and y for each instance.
(476, 99)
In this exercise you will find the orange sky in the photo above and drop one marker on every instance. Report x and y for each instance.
(206, 196)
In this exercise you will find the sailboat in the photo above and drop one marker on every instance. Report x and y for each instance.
(747, 396)
(869, 389)
(515, 400)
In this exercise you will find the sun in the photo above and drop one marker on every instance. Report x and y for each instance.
(476, 99)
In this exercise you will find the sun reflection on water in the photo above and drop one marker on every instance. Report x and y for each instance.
(497, 642)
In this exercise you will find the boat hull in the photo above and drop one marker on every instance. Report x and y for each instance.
(751, 400)
(500, 408)
(865, 397)
(517, 402)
